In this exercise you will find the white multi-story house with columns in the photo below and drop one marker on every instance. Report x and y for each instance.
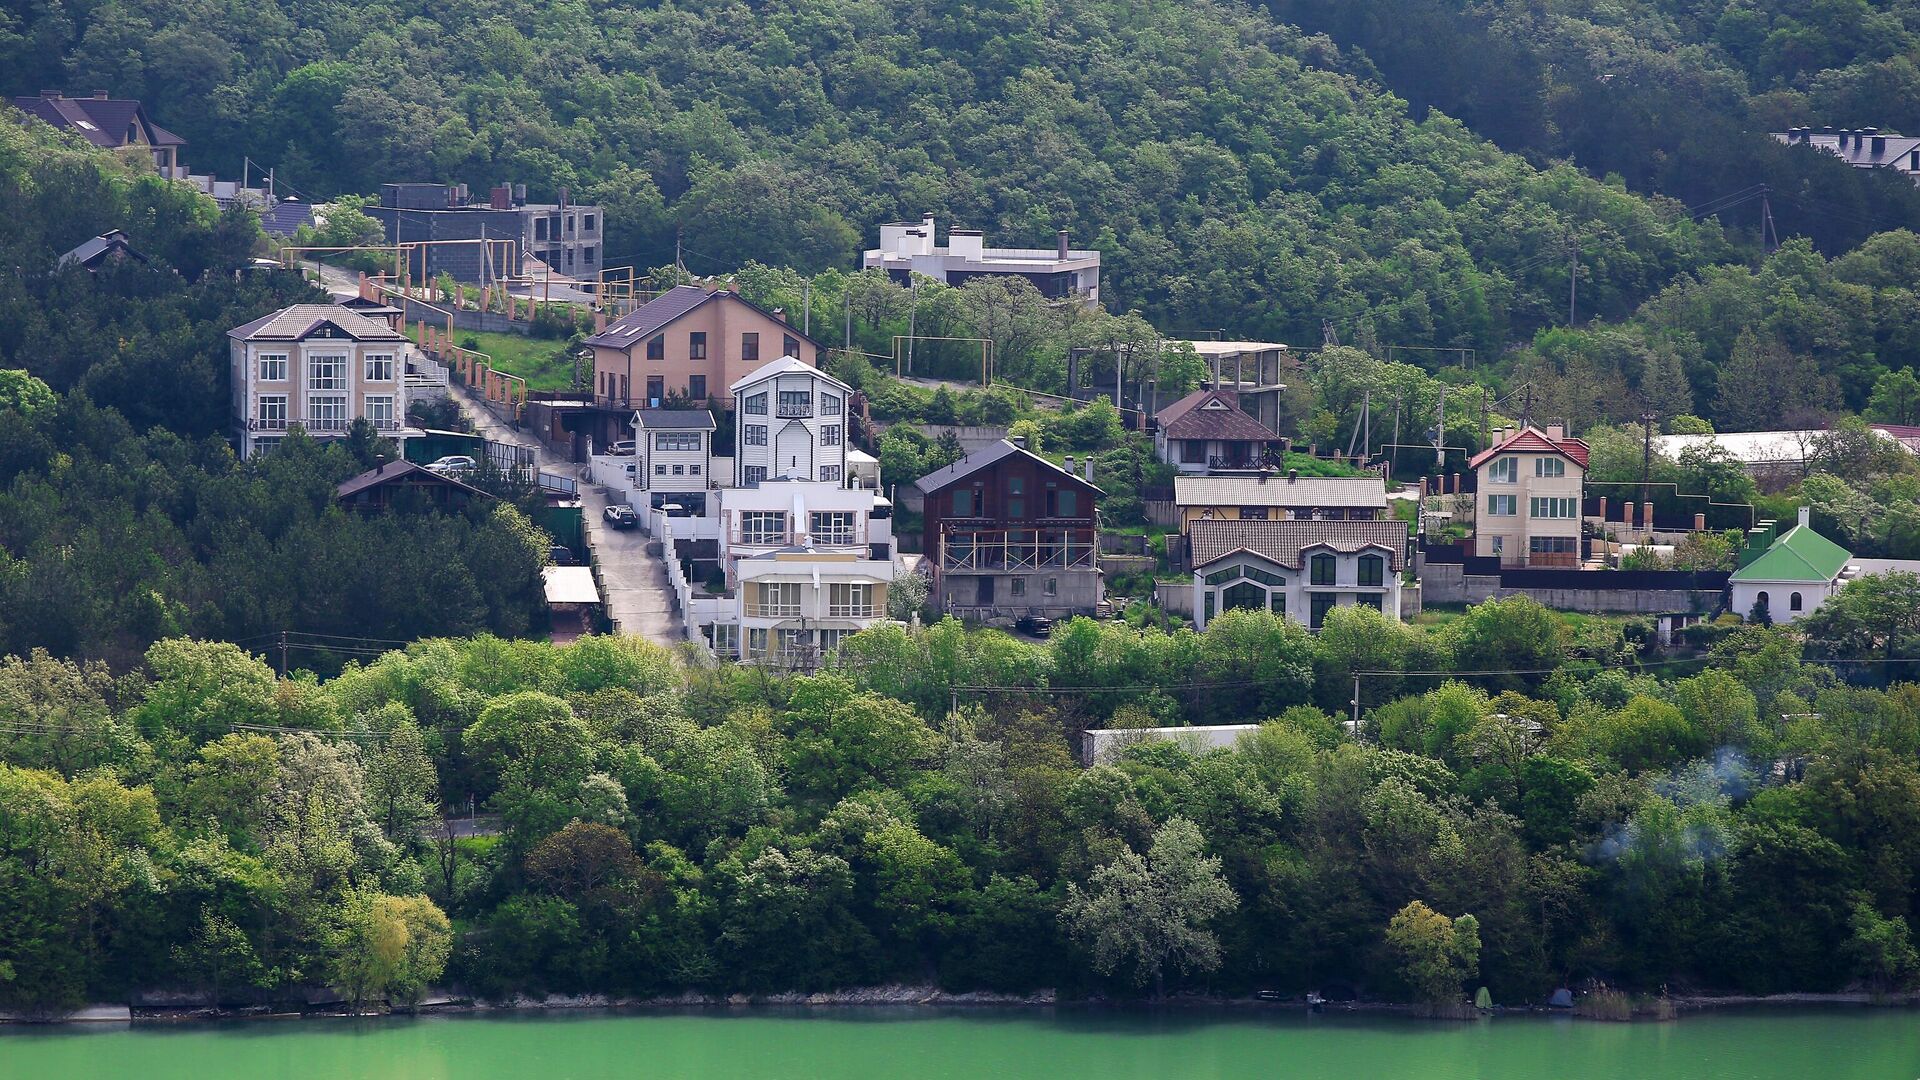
(791, 423)
(317, 367)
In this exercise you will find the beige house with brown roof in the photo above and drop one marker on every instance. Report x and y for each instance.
(1300, 569)
(318, 367)
(689, 344)
(1529, 485)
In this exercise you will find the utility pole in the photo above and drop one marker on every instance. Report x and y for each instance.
(1440, 441)
(679, 263)
(1356, 704)
(1486, 432)
(806, 307)
(1573, 280)
(1646, 455)
(283, 654)
(846, 309)
(1526, 410)
(1769, 237)
(913, 314)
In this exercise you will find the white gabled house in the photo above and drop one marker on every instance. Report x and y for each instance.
(673, 457)
(791, 422)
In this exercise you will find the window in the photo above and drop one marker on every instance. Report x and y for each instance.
(1277, 601)
(696, 388)
(830, 640)
(539, 228)
(1760, 601)
(379, 367)
(1318, 604)
(1052, 587)
(1322, 570)
(963, 502)
(1063, 503)
(327, 412)
(753, 475)
(763, 526)
(850, 601)
(726, 639)
(833, 527)
(659, 470)
(1553, 508)
(749, 346)
(586, 222)
(586, 254)
(1499, 545)
(326, 373)
(273, 367)
(1193, 451)
(570, 224)
(1372, 600)
(1017, 586)
(789, 346)
(830, 473)
(1016, 506)
(657, 347)
(656, 390)
(830, 435)
(756, 641)
(778, 600)
(697, 345)
(1549, 467)
(679, 470)
(756, 435)
(262, 444)
(796, 403)
(693, 470)
(1505, 470)
(1794, 602)
(757, 404)
(1372, 570)
(676, 441)
(273, 412)
(1503, 505)
(379, 411)
(829, 404)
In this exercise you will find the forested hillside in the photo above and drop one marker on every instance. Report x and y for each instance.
(1234, 172)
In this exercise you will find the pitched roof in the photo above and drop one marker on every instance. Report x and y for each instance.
(653, 316)
(1212, 414)
(1286, 542)
(1531, 440)
(102, 121)
(296, 322)
(90, 253)
(983, 457)
(787, 365)
(285, 216)
(1799, 554)
(674, 419)
(1272, 490)
(399, 470)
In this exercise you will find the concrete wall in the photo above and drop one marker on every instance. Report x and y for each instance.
(1174, 597)
(972, 437)
(1446, 583)
(490, 322)
(1103, 746)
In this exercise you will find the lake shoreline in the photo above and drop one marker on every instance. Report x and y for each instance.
(925, 997)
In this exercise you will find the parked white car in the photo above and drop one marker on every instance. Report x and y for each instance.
(453, 464)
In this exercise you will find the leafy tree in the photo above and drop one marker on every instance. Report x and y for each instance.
(1148, 913)
(1435, 954)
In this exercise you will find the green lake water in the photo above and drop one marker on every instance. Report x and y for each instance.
(1039, 1044)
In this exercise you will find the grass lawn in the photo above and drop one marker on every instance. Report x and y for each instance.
(543, 362)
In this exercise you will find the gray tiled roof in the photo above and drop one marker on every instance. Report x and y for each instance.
(980, 459)
(1285, 542)
(1274, 489)
(675, 419)
(641, 323)
(1212, 414)
(294, 323)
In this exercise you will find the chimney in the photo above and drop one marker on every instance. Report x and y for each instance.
(1019, 441)
(1292, 475)
(780, 313)
(1806, 517)
(1086, 468)
(49, 93)
(1556, 432)
(563, 196)
(1065, 463)
(99, 95)
(1646, 515)
(519, 194)
(1699, 523)
(1062, 242)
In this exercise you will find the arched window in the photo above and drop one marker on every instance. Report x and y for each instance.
(1793, 602)
(1243, 596)
(1372, 570)
(1322, 569)
(1760, 601)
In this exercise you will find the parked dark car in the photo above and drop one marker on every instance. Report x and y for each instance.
(1033, 625)
(561, 556)
(621, 516)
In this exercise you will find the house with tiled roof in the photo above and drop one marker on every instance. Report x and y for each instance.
(689, 343)
(317, 367)
(1208, 430)
(1299, 569)
(109, 123)
(1793, 576)
(1529, 487)
(1271, 496)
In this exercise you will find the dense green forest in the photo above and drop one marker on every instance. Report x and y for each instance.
(1234, 172)
(1744, 821)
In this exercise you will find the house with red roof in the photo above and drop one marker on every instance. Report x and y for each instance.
(1530, 484)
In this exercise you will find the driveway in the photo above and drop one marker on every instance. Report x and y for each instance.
(632, 581)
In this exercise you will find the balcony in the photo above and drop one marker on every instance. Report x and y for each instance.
(973, 552)
(773, 611)
(759, 537)
(852, 611)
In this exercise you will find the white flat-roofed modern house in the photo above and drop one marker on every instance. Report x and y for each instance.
(318, 367)
(908, 248)
(791, 423)
(673, 457)
(808, 562)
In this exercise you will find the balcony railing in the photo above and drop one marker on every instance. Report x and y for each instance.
(756, 536)
(852, 611)
(773, 611)
(323, 424)
(793, 412)
(1021, 550)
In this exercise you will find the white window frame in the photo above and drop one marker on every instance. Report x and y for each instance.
(833, 526)
(1549, 468)
(1553, 508)
(379, 367)
(269, 405)
(756, 435)
(1504, 470)
(829, 404)
(273, 367)
(378, 408)
(757, 404)
(763, 526)
(830, 474)
(830, 435)
(850, 600)
(1496, 502)
(777, 600)
(321, 410)
(327, 371)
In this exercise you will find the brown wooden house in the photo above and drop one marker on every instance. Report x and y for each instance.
(1009, 533)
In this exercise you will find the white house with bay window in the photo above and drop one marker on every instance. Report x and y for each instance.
(1299, 569)
(317, 367)
(791, 422)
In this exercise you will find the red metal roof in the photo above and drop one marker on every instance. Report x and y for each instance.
(1532, 440)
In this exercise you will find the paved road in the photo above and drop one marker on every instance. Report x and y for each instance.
(634, 582)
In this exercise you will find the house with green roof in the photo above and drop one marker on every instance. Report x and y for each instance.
(1792, 577)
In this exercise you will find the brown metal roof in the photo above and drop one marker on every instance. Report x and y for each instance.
(1286, 542)
(1212, 414)
(394, 471)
